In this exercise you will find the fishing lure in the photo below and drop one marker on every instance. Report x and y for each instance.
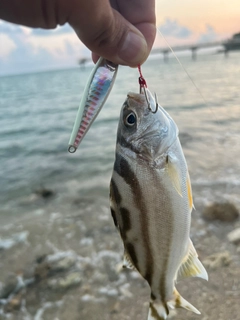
(95, 94)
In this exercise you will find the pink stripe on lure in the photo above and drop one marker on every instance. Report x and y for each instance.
(94, 96)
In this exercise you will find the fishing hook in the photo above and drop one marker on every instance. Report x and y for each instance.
(148, 103)
(143, 85)
(156, 103)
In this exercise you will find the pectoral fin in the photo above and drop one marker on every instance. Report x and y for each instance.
(174, 173)
(191, 265)
(127, 263)
(189, 192)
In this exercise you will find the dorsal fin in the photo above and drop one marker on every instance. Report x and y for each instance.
(191, 265)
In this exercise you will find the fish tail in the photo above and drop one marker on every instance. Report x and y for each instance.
(157, 310)
(179, 302)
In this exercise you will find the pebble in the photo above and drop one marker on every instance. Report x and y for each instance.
(115, 308)
(45, 193)
(63, 264)
(10, 285)
(217, 260)
(234, 236)
(70, 280)
(223, 211)
(58, 262)
(14, 303)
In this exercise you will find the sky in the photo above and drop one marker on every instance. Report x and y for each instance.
(24, 49)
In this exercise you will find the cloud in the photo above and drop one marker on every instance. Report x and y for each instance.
(24, 49)
(172, 28)
(9, 28)
(6, 46)
(65, 29)
(209, 35)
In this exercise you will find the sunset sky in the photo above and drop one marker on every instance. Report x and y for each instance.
(187, 21)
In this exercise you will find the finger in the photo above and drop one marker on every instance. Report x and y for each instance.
(32, 13)
(141, 14)
(102, 29)
(105, 32)
(95, 57)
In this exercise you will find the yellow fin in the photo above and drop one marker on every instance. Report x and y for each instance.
(191, 265)
(179, 302)
(189, 192)
(174, 173)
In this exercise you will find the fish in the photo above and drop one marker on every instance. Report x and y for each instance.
(151, 202)
(95, 94)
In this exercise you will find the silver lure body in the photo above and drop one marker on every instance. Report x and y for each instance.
(151, 202)
(94, 96)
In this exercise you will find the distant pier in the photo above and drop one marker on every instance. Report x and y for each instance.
(232, 44)
(228, 45)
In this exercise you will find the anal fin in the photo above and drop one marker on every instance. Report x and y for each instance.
(179, 302)
(191, 265)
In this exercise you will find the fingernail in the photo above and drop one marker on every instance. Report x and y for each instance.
(134, 49)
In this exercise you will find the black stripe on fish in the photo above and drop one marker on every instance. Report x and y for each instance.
(124, 143)
(114, 218)
(123, 168)
(126, 222)
(114, 193)
(153, 297)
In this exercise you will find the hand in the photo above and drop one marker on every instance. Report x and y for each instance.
(122, 31)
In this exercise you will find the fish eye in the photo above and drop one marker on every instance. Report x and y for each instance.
(130, 119)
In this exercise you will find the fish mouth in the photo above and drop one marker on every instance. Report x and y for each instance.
(138, 97)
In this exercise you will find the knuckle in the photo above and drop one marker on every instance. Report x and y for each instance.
(108, 35)
(53, 13)
(49, 21)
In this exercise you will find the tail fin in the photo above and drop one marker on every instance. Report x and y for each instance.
(157, 311)
(179, 302)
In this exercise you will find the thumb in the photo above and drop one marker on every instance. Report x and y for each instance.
(108, 34)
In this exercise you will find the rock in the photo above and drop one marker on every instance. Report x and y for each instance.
(14, 303)
(223, 211)
(217, 260)
(45, 193)
(10, 285)
(14, 240)
(48, 265)
(234, 236)
(61, 261)
(63, 283)
(42, 271)
(115, 308)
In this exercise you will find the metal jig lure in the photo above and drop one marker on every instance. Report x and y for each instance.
(94, 96)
